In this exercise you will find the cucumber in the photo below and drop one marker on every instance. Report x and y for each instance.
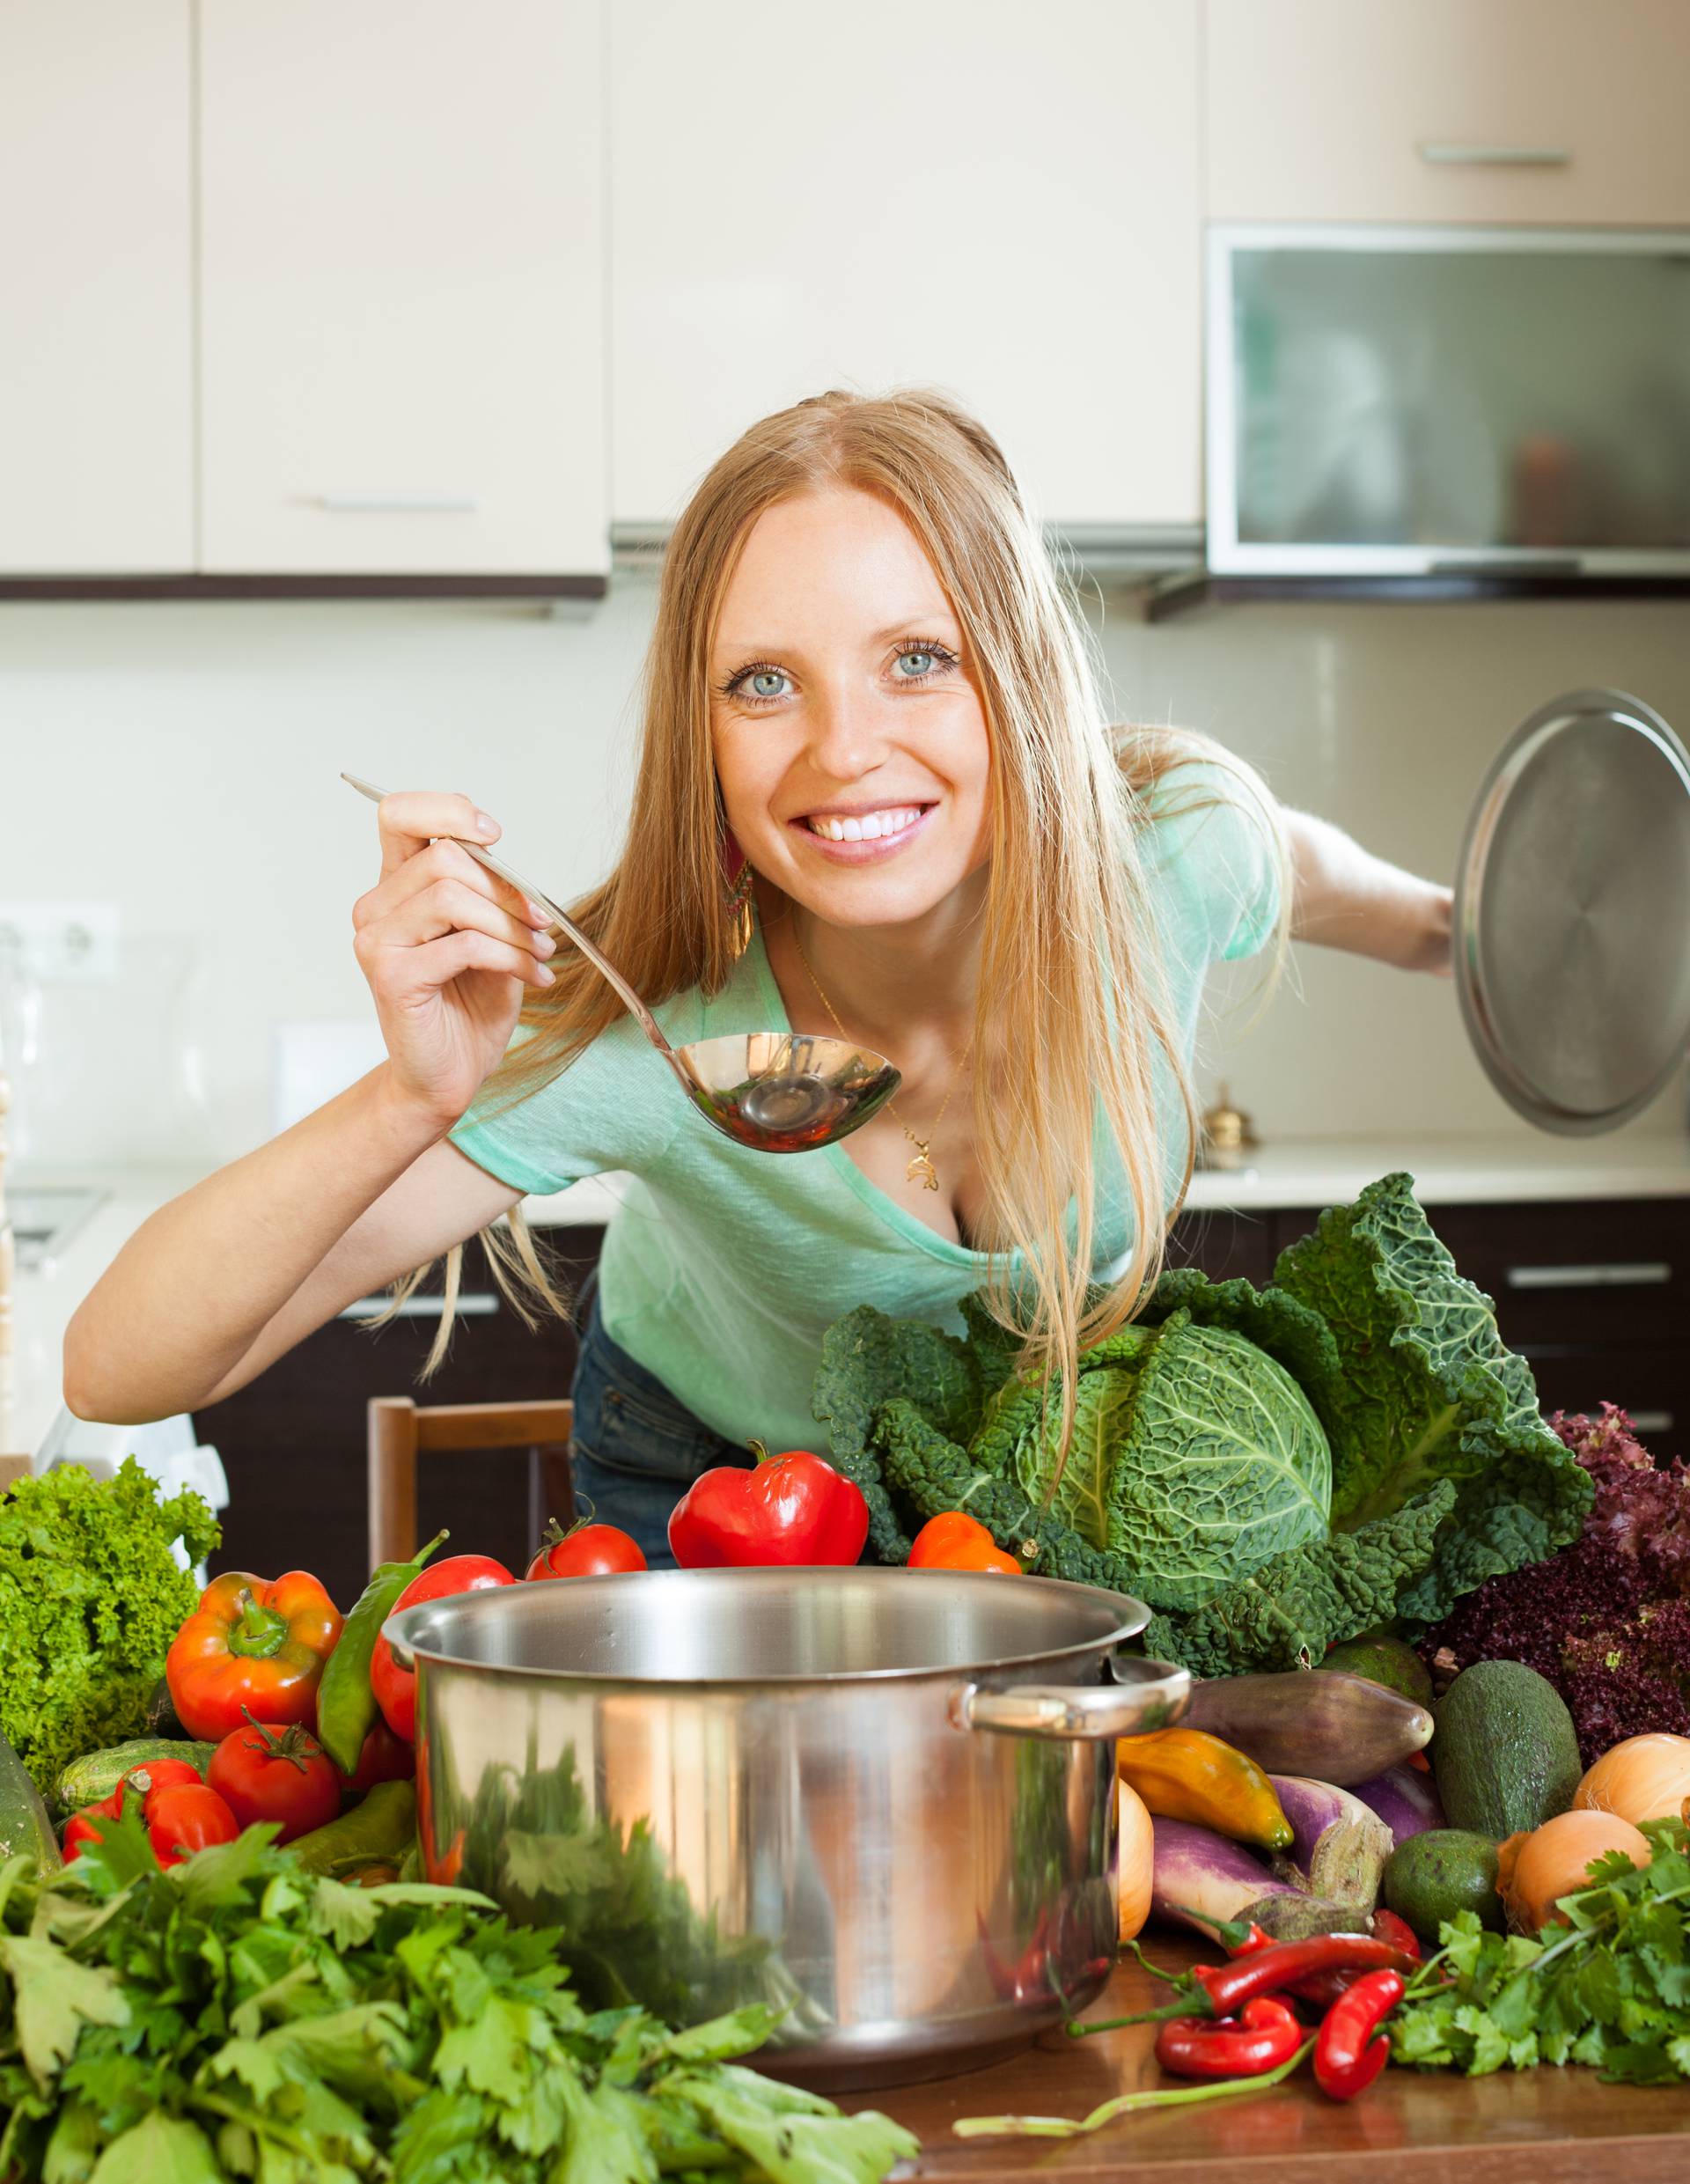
(97, 1774)
(25, 1829)
(1506, 1755)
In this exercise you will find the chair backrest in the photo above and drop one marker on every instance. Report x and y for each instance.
(401, 1431)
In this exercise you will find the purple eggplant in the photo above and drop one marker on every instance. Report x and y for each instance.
(1405, 1799)
(1199, 1879)
(1320, 1722)
(1341, 1845)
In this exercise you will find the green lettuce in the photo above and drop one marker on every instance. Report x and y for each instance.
(1274, 1470)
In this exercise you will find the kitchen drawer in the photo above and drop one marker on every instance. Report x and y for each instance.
(293, 1441)
(1577, 1274)
(1653, 1384)
(1377, 110)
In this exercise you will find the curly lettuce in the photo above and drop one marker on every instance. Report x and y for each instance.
(1274, 1469)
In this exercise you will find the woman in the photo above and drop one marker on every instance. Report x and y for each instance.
(876, 797)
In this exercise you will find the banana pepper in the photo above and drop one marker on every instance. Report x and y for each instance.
(1187, 1775)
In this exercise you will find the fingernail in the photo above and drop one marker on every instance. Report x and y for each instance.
(485, 826)
(540, 916)
(545, 944)
(544, 975)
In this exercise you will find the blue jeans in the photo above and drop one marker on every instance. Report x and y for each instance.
(636, 1449)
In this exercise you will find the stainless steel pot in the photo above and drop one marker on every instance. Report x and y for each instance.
(881, 1800)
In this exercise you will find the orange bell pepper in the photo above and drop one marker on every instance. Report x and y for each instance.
(251, 1643)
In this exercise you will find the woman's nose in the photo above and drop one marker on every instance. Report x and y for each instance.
(848, 734)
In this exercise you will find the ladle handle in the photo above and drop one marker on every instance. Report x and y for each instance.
(643, 1016)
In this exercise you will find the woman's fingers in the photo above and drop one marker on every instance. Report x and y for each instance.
(439, 861)
(440, 961)
(410, 818)
(449, 906)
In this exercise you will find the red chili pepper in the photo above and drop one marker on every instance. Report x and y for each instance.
(1239, 1938)
(1388, 1927)
(1349, 2050)
(1193, 2047)
(789, 1510)
(1271, 1971)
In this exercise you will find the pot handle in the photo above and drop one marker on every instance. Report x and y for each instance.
(1145, 1695)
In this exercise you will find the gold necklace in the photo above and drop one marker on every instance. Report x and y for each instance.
(921, 1168)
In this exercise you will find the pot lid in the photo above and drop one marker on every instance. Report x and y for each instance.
(1572, 913)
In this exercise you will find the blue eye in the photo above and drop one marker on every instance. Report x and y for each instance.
(766, 682)
(925, 662)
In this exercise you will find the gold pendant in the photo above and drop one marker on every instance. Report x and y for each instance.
(921, 1166)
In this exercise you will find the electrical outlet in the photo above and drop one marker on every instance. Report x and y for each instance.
(54, 941)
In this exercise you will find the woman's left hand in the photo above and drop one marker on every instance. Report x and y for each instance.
(1433, 946)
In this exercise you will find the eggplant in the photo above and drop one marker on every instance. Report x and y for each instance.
(1319, 1722)
(1405, 1799)
(1341, 1845)
(1200, 1878)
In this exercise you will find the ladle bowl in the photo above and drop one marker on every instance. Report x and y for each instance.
(775, 1092)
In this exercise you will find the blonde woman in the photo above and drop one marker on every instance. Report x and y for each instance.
(876, 796)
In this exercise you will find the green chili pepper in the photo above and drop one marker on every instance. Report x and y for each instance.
(346, 1705)
(384, 1826)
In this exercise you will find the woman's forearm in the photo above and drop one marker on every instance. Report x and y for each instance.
(191, 1291)
(1345, 897)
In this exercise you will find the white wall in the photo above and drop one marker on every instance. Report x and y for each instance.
(181, 760)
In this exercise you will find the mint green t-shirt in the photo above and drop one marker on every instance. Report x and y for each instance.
(723, 1267)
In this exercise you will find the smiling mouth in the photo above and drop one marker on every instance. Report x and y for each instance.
(893, 819)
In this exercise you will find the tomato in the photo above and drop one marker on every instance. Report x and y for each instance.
(384, 1758)
(588, 1550)
(158, 1775)
(395, 1687)
(956, 1541)
(81, 1827)
(275, 1771)
(185, 1817)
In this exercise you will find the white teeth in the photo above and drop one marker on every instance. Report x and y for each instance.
(870, 827)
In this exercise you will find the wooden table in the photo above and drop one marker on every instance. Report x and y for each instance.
(1530, 2127)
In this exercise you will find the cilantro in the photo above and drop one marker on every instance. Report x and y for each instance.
(1610, 1989)
(237, 2018)
(91, 1597)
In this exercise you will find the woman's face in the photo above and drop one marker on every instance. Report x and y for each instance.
(851, 742)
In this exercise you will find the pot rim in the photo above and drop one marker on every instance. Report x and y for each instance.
(1133, 1616)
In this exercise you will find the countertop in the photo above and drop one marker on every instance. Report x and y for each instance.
(1527, 2126)
(1504, 1167)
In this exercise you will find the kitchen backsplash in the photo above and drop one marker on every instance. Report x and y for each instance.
(182, 761)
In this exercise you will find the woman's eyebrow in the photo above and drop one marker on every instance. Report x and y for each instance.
(923, 618)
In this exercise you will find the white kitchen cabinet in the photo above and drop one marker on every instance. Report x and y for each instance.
(1555, 112)
(401, 287)
(967, 193)
(96, 302)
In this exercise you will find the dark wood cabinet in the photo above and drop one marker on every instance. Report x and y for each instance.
(1594, 1293)
(292, 1442)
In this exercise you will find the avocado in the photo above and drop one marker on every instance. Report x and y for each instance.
(1433, 1875)
(1505, 1754)
(1390, 1661)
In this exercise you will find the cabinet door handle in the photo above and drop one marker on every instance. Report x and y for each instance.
(473, 1304)
(395, 503)
(1651, 1422)
(1638, 1273)
(1439, 154)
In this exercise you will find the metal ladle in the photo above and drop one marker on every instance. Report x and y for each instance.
(777, 1091)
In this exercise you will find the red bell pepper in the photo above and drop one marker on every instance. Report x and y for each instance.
(789, 1510)
(251, 1643)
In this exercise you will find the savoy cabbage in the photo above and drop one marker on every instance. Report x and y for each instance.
(1274, 1469)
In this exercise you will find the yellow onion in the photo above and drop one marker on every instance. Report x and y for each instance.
(1534, 1871)
(1137, 1856)
(1645, 1778)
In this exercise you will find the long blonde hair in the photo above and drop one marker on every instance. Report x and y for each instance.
(1069, 969)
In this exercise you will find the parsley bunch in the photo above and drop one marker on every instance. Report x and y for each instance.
(238, 2018)
(1612, 1990)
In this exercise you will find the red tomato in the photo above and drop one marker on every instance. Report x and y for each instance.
(185, 1817)
(82, 1827)
(588, 1551)
(384, 1758)
(275, 1771)
(395, 1687)
(956, 1541)
(158, 1775)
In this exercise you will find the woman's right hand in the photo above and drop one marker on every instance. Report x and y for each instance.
(447, 949)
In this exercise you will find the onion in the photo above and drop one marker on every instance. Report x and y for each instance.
(1138, 1857)
(1645, 1778)
(1534, 1871)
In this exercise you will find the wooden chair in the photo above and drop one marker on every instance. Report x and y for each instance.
(400, 1430)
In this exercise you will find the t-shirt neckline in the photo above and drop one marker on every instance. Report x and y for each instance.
(886, 1207)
